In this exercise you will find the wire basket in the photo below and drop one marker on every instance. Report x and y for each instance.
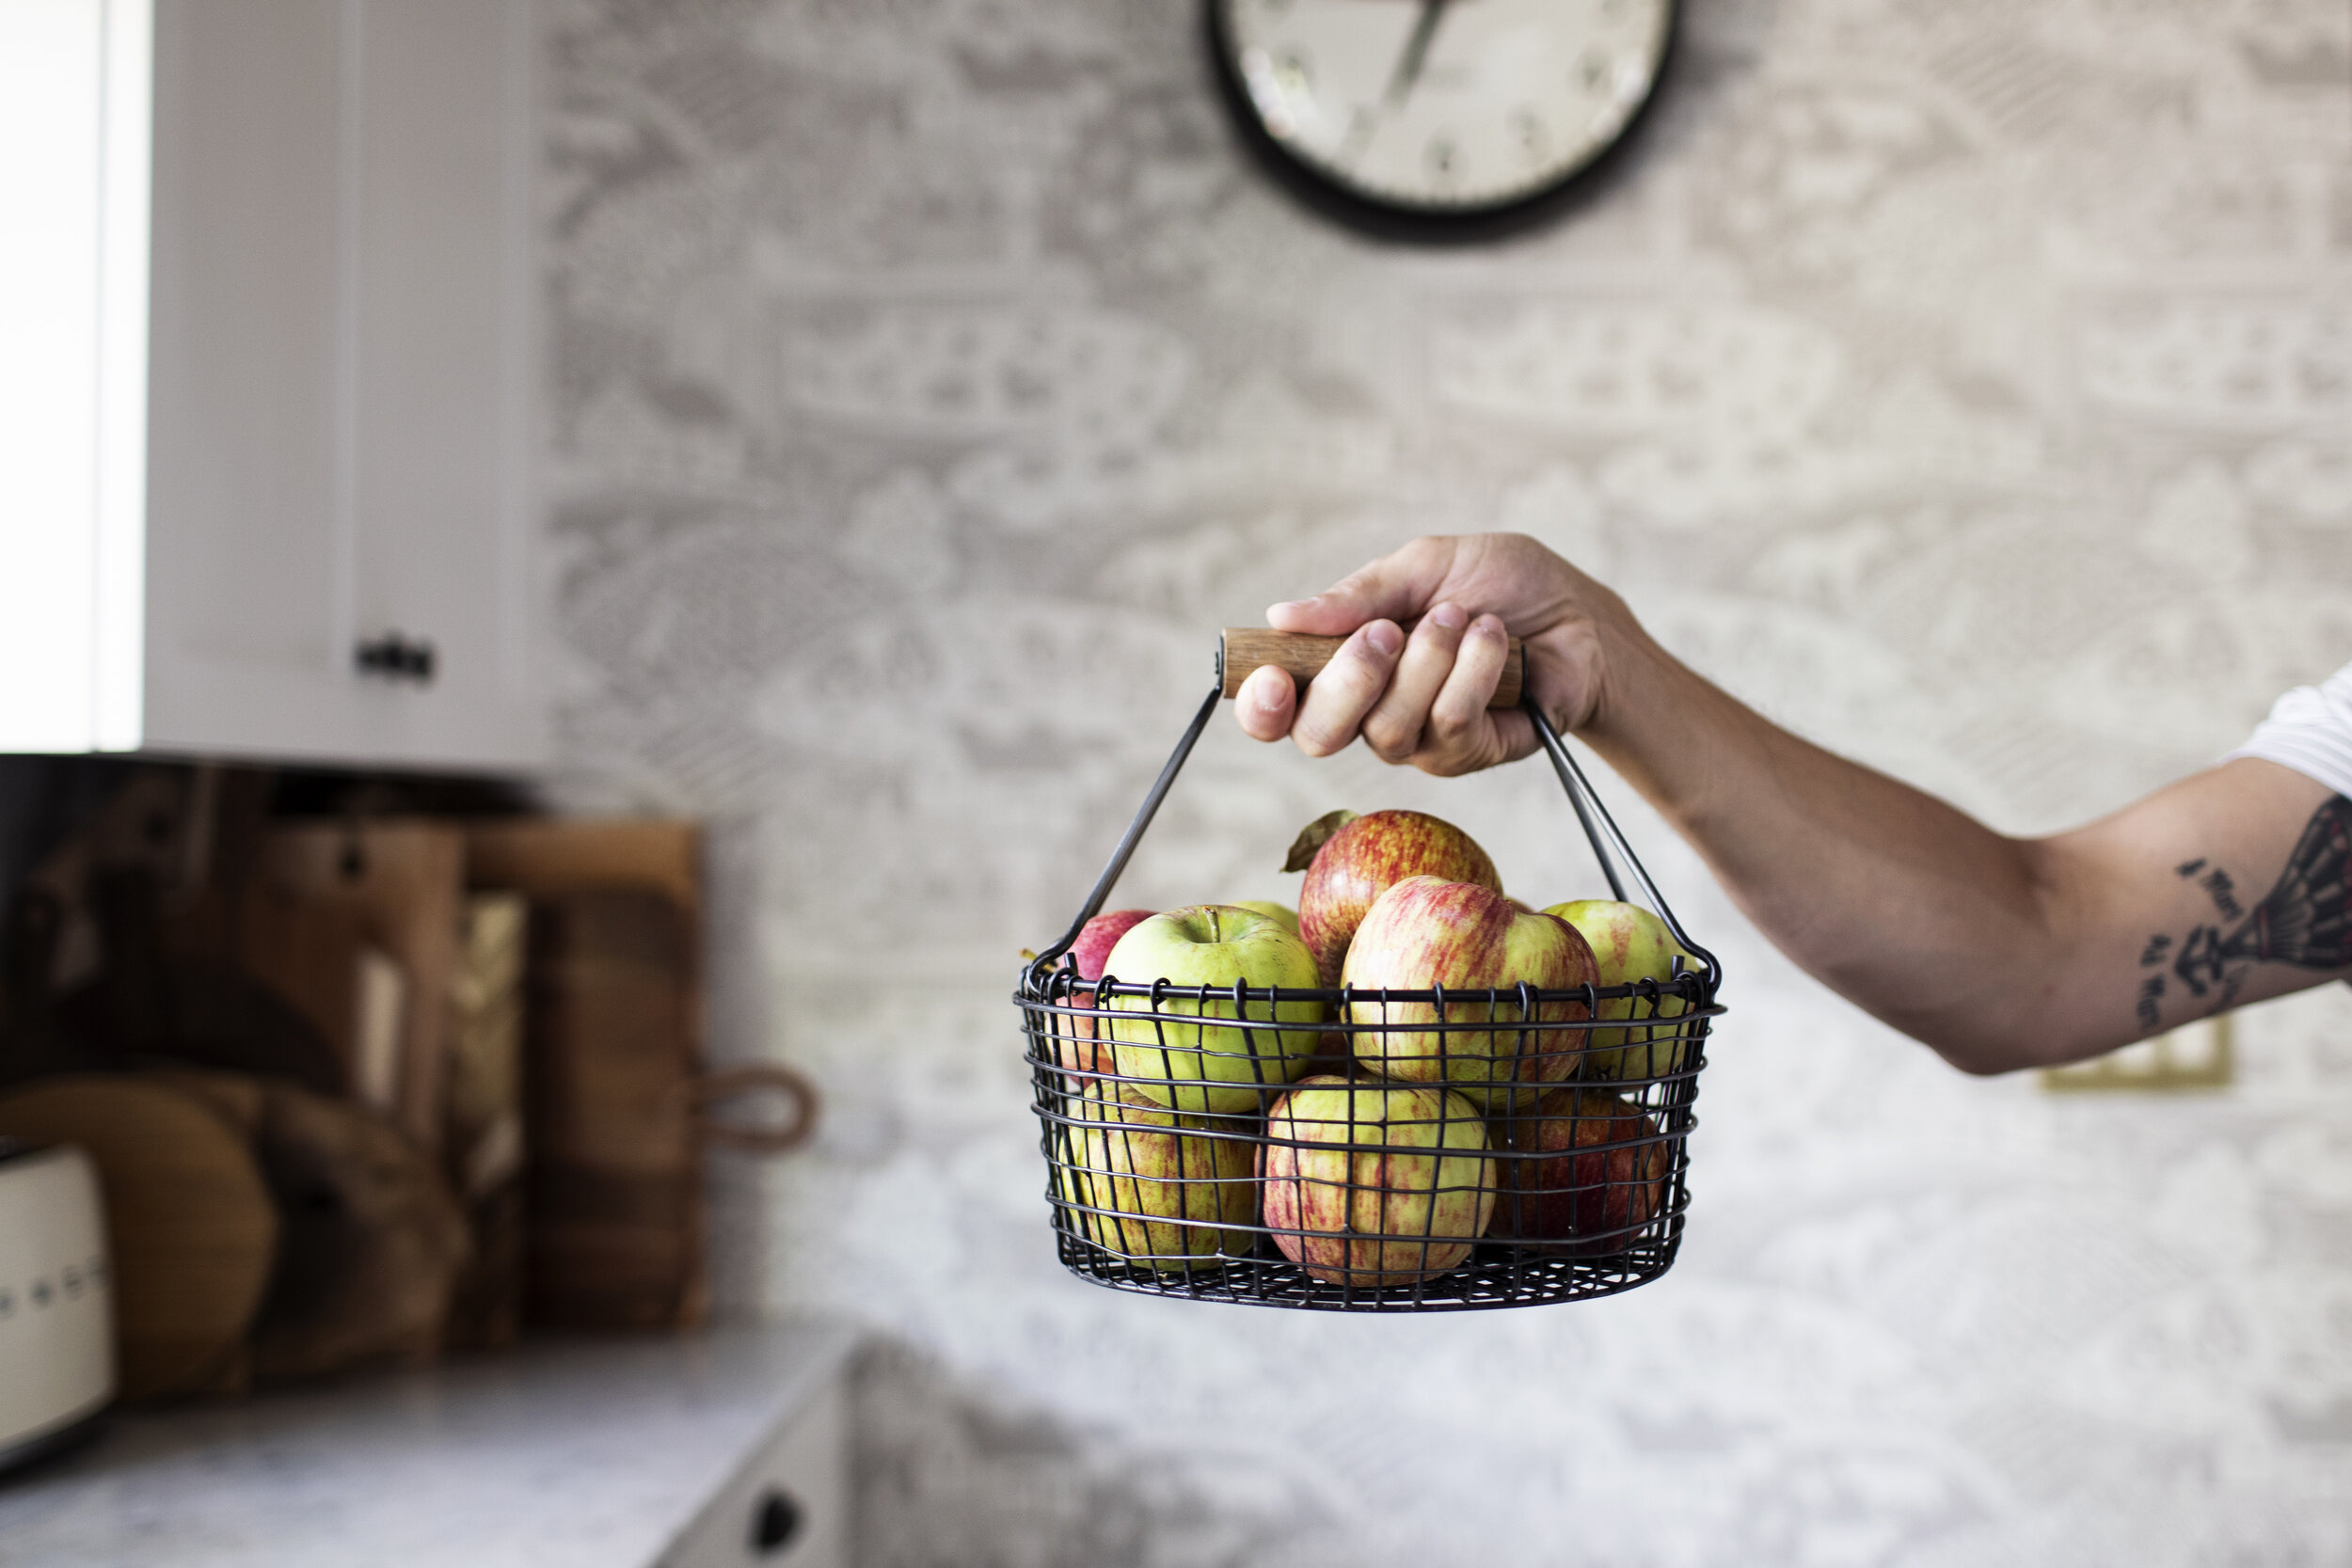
(1546, 1162)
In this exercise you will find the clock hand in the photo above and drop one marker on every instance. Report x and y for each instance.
(1416, 54)
(1408, 66)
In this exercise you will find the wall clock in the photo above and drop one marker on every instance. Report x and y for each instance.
(1437, 118)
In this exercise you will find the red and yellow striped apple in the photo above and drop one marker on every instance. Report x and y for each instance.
(1370, 1185)
(1423, 933)
(1367, 857)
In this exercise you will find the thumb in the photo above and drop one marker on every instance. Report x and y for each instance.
(1398, 587)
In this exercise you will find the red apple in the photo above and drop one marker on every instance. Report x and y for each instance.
(1075, 1045)
(1367, 1184)
(1366, 858)
(1581, 1173)
(1076, 1049)
(1424, 933)
(1098, 936)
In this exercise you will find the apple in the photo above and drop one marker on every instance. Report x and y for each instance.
(1581, 1173)
(1074, 1049)
(1331, 1055)
(1630, 943)
(1423, 933)
(1206, 1068)
(1370, 1183)
(1166, 1191)
(1367, 857)
(1283, 913)
(1097, 937)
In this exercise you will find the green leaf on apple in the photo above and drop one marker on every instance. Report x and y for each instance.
(1312, 836)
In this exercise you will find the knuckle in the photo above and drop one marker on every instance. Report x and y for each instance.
(1461, 752)
(1441, 764)
(1318, 737)
(1389, 744)
(1353, 684)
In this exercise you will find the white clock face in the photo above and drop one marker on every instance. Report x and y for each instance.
(1439, 106)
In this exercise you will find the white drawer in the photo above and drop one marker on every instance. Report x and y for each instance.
(789, 1505)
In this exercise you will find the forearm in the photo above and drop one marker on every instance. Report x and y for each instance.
(2000, 953)
(1907, 907)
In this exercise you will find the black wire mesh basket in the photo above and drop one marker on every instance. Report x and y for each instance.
(1290, 1146)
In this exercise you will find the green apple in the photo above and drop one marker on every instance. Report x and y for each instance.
(1631, 944)
(1211, 1068)
(1170, 1192)
(1332, 1056)
(1283, 913)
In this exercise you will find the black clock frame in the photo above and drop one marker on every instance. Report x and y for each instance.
(1411, 223)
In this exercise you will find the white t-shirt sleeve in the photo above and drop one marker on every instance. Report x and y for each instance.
(2310, 730)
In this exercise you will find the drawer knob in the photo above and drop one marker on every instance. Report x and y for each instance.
(775, 1520)
(395, 657)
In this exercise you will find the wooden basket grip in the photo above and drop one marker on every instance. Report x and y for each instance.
(1242, 649)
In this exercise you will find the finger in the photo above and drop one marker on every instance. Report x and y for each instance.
(1397, 587)
(1265, 704)
(1393, 727)
(1337, 699)
(1460, 734)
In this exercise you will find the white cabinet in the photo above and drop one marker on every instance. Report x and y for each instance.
(787, 1505)
(271, 288)
(729, 1449)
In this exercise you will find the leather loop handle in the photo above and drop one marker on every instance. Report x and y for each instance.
(1241, 649)
(705, 1092)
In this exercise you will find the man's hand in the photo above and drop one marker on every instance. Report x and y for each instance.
(1999, 952)
(1430, 626)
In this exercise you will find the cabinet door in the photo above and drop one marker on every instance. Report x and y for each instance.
(341, 367)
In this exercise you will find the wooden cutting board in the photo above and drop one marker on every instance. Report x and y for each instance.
(612, 1030)
(402, 882)
(190, 1227)
(614, 1173)
(543, 856)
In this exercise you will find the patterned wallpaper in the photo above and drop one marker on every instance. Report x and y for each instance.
(1967, 386)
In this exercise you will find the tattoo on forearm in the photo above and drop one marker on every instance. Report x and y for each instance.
(2306, 922)
(2217, 883)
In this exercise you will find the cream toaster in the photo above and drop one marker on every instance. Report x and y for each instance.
(57, 1299)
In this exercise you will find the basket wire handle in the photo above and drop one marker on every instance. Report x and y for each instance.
(1588, 807)
(1109, 879)
(1609, 843)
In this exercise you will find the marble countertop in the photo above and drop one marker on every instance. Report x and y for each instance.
(566, 1454)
